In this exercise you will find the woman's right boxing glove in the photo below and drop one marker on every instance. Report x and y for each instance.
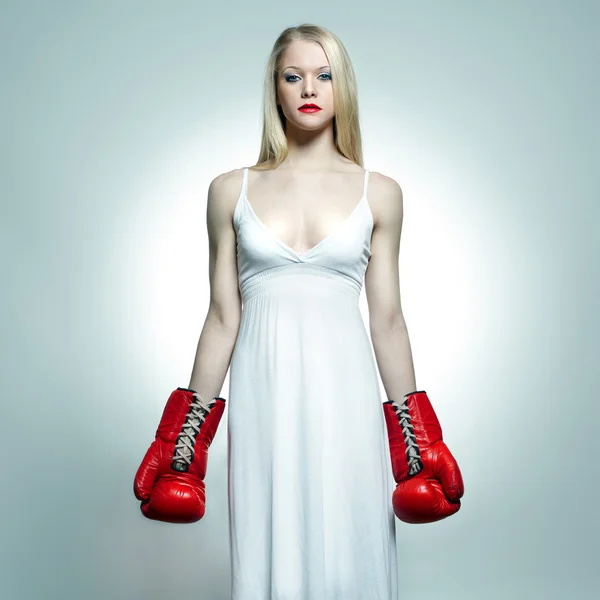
(170, 480)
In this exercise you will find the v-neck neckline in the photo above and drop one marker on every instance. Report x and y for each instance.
(302, 255)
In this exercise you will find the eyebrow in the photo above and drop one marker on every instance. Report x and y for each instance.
(300, 69)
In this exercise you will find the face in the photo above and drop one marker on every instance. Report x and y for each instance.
(305, 78)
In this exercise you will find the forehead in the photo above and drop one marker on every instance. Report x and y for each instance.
(304, 54)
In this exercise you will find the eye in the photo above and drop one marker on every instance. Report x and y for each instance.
(327, 78)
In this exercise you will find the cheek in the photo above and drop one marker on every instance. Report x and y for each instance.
(288, 103)
(285, 97)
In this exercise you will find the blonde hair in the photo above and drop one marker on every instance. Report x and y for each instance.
(346, 127)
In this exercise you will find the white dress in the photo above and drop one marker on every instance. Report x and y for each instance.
(309, 474)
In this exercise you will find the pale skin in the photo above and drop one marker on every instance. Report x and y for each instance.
(301, 202)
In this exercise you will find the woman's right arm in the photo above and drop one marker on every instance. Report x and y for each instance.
(219, 333)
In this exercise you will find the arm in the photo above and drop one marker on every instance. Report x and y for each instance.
(429, 480)
(219, 333)
(170, 480)
(386, 321)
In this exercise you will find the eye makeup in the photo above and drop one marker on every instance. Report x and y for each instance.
(287, 77)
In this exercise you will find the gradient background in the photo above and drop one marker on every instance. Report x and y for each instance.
(115, 118)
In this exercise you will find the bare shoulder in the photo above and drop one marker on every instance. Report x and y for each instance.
(386, 199)
(224, 191)
(227, 184)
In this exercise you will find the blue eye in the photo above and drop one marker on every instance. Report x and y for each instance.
(328, 77)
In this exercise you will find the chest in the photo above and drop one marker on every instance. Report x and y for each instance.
(304, 211)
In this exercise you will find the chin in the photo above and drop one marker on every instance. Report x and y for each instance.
(313, 125)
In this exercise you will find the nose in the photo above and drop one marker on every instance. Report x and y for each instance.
(308, 88)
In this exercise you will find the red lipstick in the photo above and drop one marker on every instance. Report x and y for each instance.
(309, 108)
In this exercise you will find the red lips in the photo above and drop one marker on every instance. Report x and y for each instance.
(309, 106)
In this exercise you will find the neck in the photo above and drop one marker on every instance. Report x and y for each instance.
(311, 150)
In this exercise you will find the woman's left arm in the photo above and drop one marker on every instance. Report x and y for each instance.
(429, 481)
(387, 326)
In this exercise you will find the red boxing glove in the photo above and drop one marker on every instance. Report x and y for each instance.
(429, 481)
(169, 482)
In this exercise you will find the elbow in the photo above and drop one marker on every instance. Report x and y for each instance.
(387, 323)
(229, 320)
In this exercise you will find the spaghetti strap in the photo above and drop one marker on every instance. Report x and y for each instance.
(245, 181)
(366, 182)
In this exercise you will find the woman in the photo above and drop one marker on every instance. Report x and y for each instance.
(293, 238)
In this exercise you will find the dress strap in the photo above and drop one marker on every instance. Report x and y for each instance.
(245, 182)
(366, 182)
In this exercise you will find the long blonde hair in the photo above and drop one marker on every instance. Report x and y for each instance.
(346, 127)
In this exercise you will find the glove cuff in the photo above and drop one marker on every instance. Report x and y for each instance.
(412, 427)
(418, 412)
(188, 423)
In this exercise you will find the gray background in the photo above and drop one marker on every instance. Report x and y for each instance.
(115, 118)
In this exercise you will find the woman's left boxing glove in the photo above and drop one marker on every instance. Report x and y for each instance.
(170, 480)
(429, 481)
